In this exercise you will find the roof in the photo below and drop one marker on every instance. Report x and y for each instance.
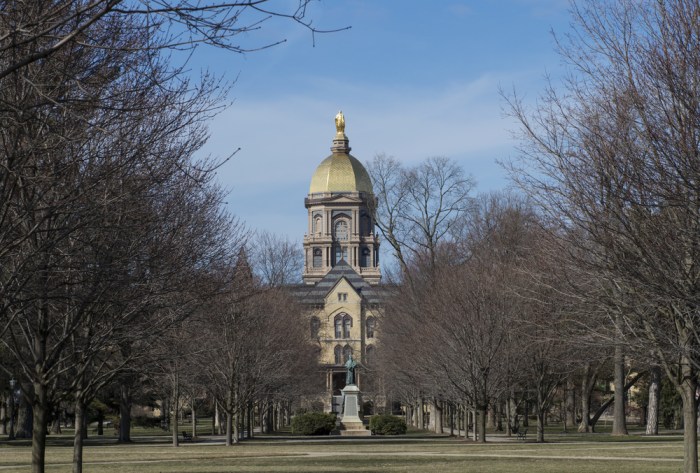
(317, 293)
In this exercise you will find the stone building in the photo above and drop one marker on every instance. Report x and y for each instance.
(340, 293)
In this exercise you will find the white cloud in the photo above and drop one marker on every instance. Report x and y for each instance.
(283, 140)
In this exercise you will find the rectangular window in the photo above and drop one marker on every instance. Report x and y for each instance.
(341, 253)
(342, 296)
(338, 328)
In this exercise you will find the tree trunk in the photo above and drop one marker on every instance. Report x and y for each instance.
(165, 414)
(217, 418)
(194, 418)
(491, 418)
(475, 427)
(437, 414)
(3, 417)
(619, 419)
(24, 423)
(251, 420)
(570, 404)
(499, 416)
(262, 416)
(124, 412)
(39, 429)
(509, 420)
(176, 412)
(654, 398)
(687, 390)
(267, 417)
(482, 423)
(512, 414)
(270, 417)
(85, 424)
(419, 410)
(541, 412)
(11, 417)
(214, 419)
(465, 420)
(236, 427)
(229, 429)
(451, 408)
(79, 436)
(276, 416)
(56, 424)
(587, 384)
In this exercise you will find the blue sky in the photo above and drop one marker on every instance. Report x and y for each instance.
(413, 78)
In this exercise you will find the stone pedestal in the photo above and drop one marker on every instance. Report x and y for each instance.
(351, 422)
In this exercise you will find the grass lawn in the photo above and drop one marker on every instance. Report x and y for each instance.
(563, 452)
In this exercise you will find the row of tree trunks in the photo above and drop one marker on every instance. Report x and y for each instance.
(273, 415)
(441, 413)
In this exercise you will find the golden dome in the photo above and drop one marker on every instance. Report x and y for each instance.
(340, 172)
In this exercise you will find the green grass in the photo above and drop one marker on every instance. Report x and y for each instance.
(576, 453)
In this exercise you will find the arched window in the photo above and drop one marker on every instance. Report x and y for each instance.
(314, 325)
(371, 325)
(338, 323)
(318, 225)
(340, 230)
(318, 257)
(364, 258)
(338, 355)
(369, 354)
(365, 225)
(347, 353)
(347, 324)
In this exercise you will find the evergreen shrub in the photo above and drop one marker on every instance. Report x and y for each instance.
(313, 423)
(386, 424)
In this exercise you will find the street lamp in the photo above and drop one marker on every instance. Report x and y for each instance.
(11, 408)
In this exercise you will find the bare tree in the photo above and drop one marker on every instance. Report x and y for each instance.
(259, 348)
(548, 353)
(49, 28)
(418, 207)
(613, 159)
(100, 199)
(466, 312)
(278, 261)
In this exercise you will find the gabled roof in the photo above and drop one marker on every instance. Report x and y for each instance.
(317, 293)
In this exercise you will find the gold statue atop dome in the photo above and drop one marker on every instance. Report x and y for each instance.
(340, 123)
